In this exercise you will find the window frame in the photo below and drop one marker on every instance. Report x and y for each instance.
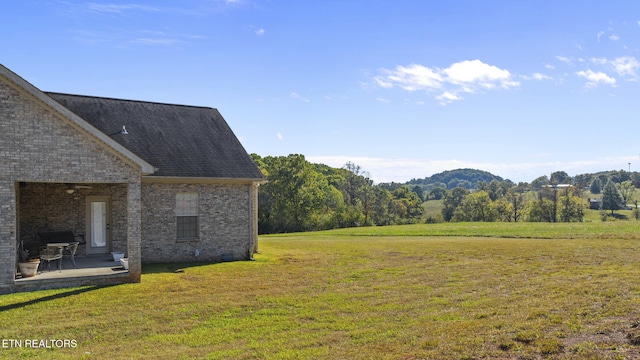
(187, 210)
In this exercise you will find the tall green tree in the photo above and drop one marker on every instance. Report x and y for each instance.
(418, 190)
(596, 186)
(504, 209)
(550, 192)
(572, 207)
(541, 210)
(358, 190)
(408, 204)
(295, 196)
(560, 177)
(475, 206)
(498, 189)
(626, 190)
(382, 206)
(437, 193)
(451, 200)
(611, 199)
(516, 199)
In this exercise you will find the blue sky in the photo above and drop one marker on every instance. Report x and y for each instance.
(405, 89)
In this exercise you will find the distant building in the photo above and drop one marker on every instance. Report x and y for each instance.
(558, 186)
(595, 204)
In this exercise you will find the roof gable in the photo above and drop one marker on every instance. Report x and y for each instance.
(179, 140)
(25, 87)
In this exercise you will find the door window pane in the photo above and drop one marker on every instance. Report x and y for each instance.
(99, 224)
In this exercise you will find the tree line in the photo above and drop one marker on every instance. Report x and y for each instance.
(505, 201)
(554, 199)
(302, 196)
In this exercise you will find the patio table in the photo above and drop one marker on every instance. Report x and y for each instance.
(62, 245)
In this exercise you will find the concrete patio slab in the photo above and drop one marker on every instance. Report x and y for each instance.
(89, 270)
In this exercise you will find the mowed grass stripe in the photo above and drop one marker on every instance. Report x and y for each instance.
(526, 230)
(356, 297)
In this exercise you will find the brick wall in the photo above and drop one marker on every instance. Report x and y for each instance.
(36, 145)
(224, 223)
(48, 207)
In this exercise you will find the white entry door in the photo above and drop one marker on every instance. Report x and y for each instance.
(98, 225)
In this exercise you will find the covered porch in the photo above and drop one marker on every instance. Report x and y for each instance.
(95, 213)
(99, 217)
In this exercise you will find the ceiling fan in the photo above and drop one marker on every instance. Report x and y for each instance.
(71, 189)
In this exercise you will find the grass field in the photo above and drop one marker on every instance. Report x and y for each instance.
(406, 292)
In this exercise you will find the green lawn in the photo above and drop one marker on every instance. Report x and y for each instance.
(397, 293)
(584, 230)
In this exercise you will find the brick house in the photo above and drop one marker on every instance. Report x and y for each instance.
(159, 182)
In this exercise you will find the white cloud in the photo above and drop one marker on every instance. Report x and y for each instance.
(141, 37)
(295, 95)
(600, 35)
(614, 37)
(447, 98)
(469, 76)
(410, 78)
(565, 60)
(259, 32)
(626, 66)
(537, 76)
(155, 41)
(383, 82)
(114, 8)
(383, 100)
(230, 2)
(119, 8)
(279, 135)
(596, 78)
(475, 72)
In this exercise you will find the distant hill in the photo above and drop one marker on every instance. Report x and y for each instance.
(467, 178)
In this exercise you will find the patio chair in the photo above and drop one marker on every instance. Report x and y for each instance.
(52, 253)
(70, 252)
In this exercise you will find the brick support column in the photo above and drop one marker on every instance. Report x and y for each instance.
(134, 230)
(253, 218)
(8, 249)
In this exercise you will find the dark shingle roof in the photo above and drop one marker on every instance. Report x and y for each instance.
(182, 141)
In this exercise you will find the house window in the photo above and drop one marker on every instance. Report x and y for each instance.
(187, 216)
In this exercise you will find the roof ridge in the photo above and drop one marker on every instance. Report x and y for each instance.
(128, 100)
